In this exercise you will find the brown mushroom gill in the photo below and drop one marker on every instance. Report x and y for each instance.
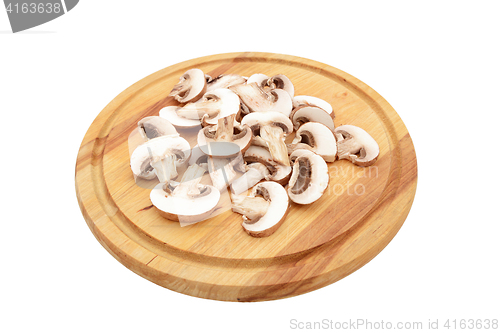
(304, 176)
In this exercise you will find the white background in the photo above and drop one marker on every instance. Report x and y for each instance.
(437, 63)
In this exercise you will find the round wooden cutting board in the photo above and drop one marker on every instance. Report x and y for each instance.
(318, 244)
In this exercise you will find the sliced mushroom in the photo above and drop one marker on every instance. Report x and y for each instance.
(192, 85)
(256, 172)
(260, 79)
(309, 177)
(170, 114)
(264, 210)
(317, 138)
(170, 150)
(312, 101)
(154, 126)
(356, 145)
(225, 81)
(224, 139)
(258, 100)
(272, 127)
(307, 113)
(279, 81)
(188, 201)
(278, 173)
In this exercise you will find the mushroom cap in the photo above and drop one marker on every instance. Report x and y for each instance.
(192, 85)
(312, 101)
(317, 138)
(281, 81)
(356, 145)
(255, 119)
(142, 155)
(154, 126)
(229, 104)
(225, 81)
(260, 79)
(277, 197)
(309, 177)
(257, 100)
(279, 173)
(306, 113)
(210, 145)
(170, 114)
(185, 208)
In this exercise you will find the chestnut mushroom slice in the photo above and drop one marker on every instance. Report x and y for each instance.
(188, 201)
(171, 151)
(356, 145)
(154, 126)
(264, 210)
(224, 139)
(317, 138)
(272, 127)
(312, 101)
(309, 177)
(307, 113)
(256, 99)
(192, 85)
(256, 172)
(278, 173)
(225, 81)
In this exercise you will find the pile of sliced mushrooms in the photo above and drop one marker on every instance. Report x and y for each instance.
(243, 123)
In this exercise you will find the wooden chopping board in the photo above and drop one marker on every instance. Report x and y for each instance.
(318, 244)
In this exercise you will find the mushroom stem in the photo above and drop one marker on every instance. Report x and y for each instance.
(165, 167)
(198, 110)
(189, 183)
(252, 208)
(349, 149)
(225, 128)
(275, 140)
(256, 173)
(221, 172)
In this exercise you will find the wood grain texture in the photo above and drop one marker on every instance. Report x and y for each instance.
(318, 244)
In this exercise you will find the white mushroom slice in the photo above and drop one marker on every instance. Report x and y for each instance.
(278, 173)
(154, 126)
(171, 147)
(218, 103)
(356, 145)
(256, 172)
(272, 127)
(192, 85)
(260, 79)
(258, 100)
(312, 101)
(170, 114)
(225, 81)
(264, 210)
(224, 139)
(280, 81)
(306, 113)
(317, 138)
(309, 177)
(188, 201)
